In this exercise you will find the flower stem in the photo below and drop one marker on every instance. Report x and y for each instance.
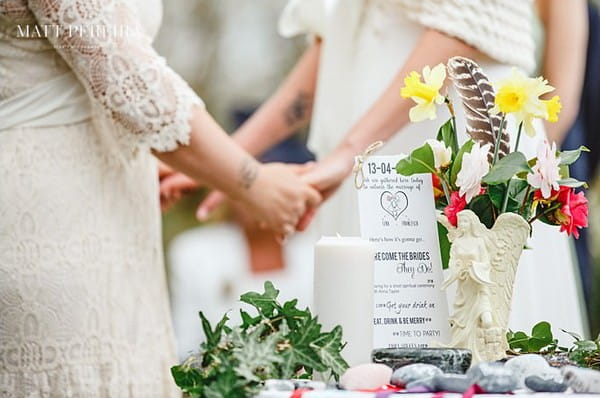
(548, 210)
(498, 139)
(505, 199)
(518, 137)
(525, 199)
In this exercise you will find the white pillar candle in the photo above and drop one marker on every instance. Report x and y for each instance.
(343, 292)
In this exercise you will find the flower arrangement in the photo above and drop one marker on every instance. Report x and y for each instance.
(485, 174)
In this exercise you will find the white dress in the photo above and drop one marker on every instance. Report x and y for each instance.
(84, 308)
(365, 44)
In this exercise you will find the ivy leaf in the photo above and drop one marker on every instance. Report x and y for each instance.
(328, 347)
(187, 378)
(227, 385)
(506, 168)
(212, 337)
(293, 315)
(256, 357)
(457, 164)
(265, 303)
(420, 160)
(570, 157)
(444, 245)
(248, 320)
(300, 353)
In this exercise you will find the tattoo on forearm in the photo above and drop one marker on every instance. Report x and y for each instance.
(248, 172)
(299, 109)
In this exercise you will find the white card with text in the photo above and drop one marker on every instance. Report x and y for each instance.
(397, 214)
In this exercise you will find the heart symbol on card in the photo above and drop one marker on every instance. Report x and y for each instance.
(394, 203)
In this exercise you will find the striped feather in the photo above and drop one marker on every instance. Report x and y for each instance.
(477, 95)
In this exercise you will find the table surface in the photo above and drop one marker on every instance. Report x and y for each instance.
(352, 394)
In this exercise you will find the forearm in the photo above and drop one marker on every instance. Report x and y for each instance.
(211, 149)
(390, 112)
(564, 58)
(288, 110)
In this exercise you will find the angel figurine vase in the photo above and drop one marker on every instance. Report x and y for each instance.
(483, 263)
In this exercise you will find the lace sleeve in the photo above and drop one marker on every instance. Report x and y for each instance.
(105, 45)
(303, 17)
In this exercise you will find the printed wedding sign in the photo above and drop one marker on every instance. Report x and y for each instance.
(397, 214)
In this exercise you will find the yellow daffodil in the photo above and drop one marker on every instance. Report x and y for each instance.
(553, 107)
(426, 94)
(520, 96)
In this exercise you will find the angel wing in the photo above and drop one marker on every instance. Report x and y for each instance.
(505, 243)
(477, 95)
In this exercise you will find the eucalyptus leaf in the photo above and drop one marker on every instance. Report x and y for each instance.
(506, 168)
(570, 157)
(421, 160)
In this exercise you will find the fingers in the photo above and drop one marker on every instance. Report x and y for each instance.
(177, 183)
(209, 204)
(313, 197)
(306, 219)
(164, 170)
(301, 168)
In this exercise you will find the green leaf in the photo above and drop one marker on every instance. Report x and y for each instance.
(446, 135)
(328, 347)
(484, 208)
(188, 379)
(570, 157)
(457, 164)
(212, 337)
(519, 341)
(542, 331)
(265, 303)
(444, 245)
(227, 385)
(575, 336)
(506, 168)
(299, 353)
(586, 345)
(572, 183)
(420, 160)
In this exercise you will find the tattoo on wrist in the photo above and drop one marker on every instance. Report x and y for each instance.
(298, 109)
(248, 172)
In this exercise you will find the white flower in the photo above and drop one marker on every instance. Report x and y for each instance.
(474, 166)
(546, 171)
(442, 155)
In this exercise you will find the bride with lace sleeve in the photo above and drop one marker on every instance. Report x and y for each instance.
(84, 100)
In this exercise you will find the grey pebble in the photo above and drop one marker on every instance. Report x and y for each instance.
(582, 380)
(310, 384)
(493, 377)
(539, 384)
(428, 383)
(452, 383)
(410, 373)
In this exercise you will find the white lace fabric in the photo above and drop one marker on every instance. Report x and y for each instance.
(83, 299)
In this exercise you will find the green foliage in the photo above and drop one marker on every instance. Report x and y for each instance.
(506, 168)
(585, 352)
(541, 339)
(447, 135)
(483, 206)
(280, 342)
(420, 160)
(444, 245)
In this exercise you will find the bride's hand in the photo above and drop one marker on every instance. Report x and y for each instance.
(278, 197)
(327, 176)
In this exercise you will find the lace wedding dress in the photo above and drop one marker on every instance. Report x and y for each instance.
(365, 43)
(83, 297)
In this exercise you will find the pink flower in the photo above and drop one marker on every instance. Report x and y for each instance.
(546, 172)
(457, 204)
(573, 213)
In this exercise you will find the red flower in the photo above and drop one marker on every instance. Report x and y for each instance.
(457, 204)
(438, 191)
(573, 213)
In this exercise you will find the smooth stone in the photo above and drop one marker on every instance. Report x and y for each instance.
(493, 377)
(427, 383)
(452, 383)
(449, 360)
(527, 365)
(410, 373)
(582, 380)
(539, 384)
(366, 376)
(279, 385)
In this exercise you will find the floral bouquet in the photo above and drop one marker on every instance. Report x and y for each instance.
(485, 174)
